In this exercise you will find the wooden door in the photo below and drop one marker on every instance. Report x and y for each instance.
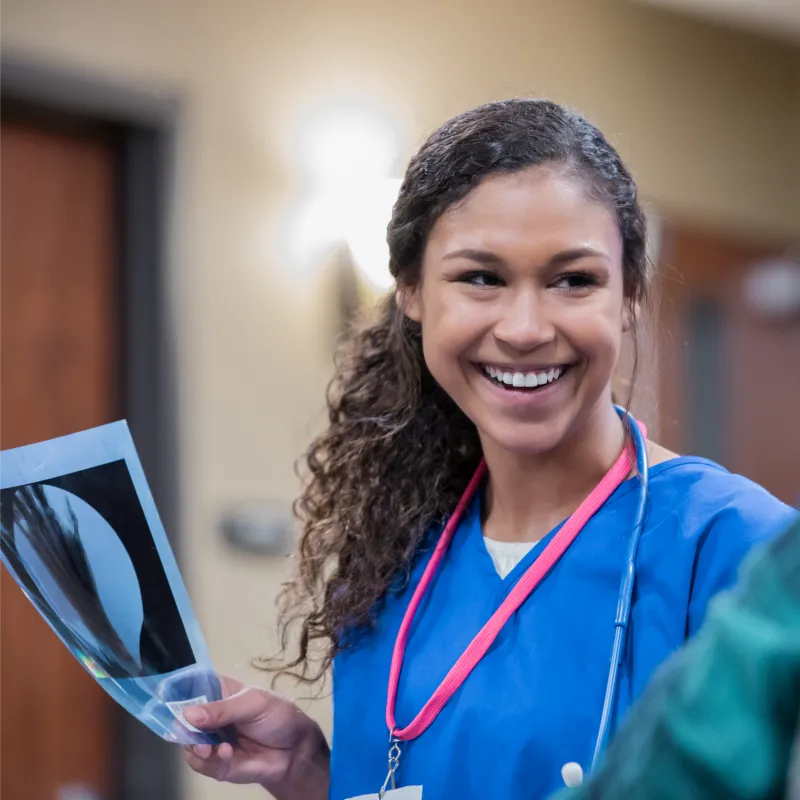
(58, 374)
(729, 383)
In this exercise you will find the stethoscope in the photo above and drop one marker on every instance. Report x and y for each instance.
(625, 597)
(572, 773)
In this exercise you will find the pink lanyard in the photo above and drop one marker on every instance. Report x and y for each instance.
(516, 597)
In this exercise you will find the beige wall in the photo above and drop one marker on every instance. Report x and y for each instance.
(705, 116)
(795, 163)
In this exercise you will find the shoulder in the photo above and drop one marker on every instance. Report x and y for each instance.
(705, 496)
(719, 515)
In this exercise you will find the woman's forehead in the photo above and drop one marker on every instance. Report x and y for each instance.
(537, 208)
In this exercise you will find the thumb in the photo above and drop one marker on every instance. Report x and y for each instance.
(248, 705)
(196, 715)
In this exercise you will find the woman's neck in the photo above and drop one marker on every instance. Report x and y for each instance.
(527, 496)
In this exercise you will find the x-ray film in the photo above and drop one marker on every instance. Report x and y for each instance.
(81, 536)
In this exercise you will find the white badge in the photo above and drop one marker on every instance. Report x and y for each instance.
(406, 793)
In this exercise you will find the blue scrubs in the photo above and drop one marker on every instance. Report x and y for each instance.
(533, 703)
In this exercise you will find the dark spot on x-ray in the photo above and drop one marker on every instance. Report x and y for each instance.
(108, 488)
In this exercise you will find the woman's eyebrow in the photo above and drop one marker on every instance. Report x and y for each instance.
(481, 256)
(558, 260)
(575, 254)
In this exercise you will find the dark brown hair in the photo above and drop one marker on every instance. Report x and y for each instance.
(398, 452)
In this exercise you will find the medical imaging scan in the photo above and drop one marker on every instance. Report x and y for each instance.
(87, 548)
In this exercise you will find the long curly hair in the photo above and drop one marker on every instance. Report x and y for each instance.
(398, 452)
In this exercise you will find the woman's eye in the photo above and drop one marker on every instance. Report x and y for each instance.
(481, 279)
(575, 281)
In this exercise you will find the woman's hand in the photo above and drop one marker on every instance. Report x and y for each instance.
(278, 746)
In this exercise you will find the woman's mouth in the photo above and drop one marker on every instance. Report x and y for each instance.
(519, 380)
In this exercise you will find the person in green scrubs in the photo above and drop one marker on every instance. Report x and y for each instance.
(721, 718)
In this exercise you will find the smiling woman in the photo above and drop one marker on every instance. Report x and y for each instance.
(524, 278)
(470, 424)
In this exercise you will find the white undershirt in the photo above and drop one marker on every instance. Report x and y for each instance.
(506, 555)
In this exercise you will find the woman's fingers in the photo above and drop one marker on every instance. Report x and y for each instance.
(225, 764)
(205, 751)
(212, 766)
(201, 750)
(247, 705)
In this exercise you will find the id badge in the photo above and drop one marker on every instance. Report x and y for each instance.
(406, 793)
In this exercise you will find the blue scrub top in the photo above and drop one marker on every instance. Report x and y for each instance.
(534, 702)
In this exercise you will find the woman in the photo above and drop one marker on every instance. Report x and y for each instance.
(518, 248)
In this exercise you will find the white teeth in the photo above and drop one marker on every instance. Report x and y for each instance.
(526, 380)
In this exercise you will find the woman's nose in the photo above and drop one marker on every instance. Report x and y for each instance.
(524, 323)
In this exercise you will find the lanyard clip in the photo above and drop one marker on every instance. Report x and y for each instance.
(394, 763)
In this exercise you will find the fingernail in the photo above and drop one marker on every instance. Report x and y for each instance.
(195, 715)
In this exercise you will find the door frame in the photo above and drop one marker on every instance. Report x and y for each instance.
(147, 124)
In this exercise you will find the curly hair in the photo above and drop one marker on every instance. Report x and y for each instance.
(398, 452)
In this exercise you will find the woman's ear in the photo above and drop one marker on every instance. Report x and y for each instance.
(407, 299)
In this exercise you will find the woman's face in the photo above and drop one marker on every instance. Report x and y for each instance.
(521, 306)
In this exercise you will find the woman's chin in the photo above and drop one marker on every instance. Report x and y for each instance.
(520, 443)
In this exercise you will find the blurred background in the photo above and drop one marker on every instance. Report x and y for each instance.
(193, 201)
